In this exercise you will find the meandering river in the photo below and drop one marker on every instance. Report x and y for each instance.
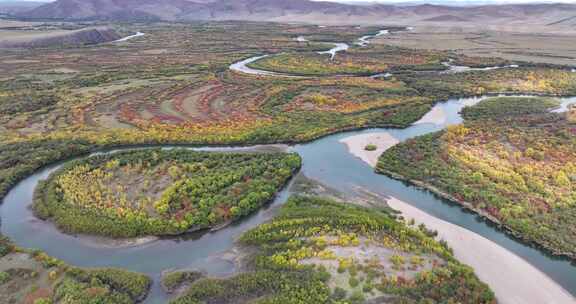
(242, 66)
(326, 160)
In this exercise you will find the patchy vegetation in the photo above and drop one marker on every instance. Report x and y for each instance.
(320, 251)
(25, 102)
(34, 277)
(365, 61)
(511, 161)
(173, 85)
(523, 80)
(159, 192)
(479, 62)
(178, 279)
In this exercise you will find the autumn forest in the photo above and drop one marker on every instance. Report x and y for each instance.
(197, 133)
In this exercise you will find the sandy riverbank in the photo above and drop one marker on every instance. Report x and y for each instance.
(357, 144)
(436, 116)
(513, 280)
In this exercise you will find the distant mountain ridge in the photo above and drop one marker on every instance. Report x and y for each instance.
(86, 36)
(294, 11)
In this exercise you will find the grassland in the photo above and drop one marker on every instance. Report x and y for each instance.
(320, 251)
(512, 161)
(514, 43)
(157, 192)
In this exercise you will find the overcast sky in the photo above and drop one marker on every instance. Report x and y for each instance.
(462, 2)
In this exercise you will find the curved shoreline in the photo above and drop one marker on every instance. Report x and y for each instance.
(365, 40)
(200, 146)
(436, 116)
(506, 272)
(137, 34)
(454, 69)
(242, 66)
(357, 145)
(136, 242)
(514, 282)
(159, 245)
(338, 47)
(565, 104)
(103, 241)
(468, 206)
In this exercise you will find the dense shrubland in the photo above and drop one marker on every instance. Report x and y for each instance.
(511, 160)
(20, 159)
(523, 80)
(172, 86)
(314, 64)
(285, 115)
(479, 62)
(101, 286)
(505, 107)
(160, 192)
(297, 248)
(355, 61)
(177, 279)
(26, 102)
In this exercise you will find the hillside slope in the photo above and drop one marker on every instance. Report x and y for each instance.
(296, 10)
(61, 38)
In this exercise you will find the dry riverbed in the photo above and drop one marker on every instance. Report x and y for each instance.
(436, 116)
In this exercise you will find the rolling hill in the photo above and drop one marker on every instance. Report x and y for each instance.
(297, 11)
(42, 39)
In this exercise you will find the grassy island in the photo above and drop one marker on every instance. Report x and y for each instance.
(512, 161)
(179, 89)
(160, 192)
(321, 251)
(368, 60)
